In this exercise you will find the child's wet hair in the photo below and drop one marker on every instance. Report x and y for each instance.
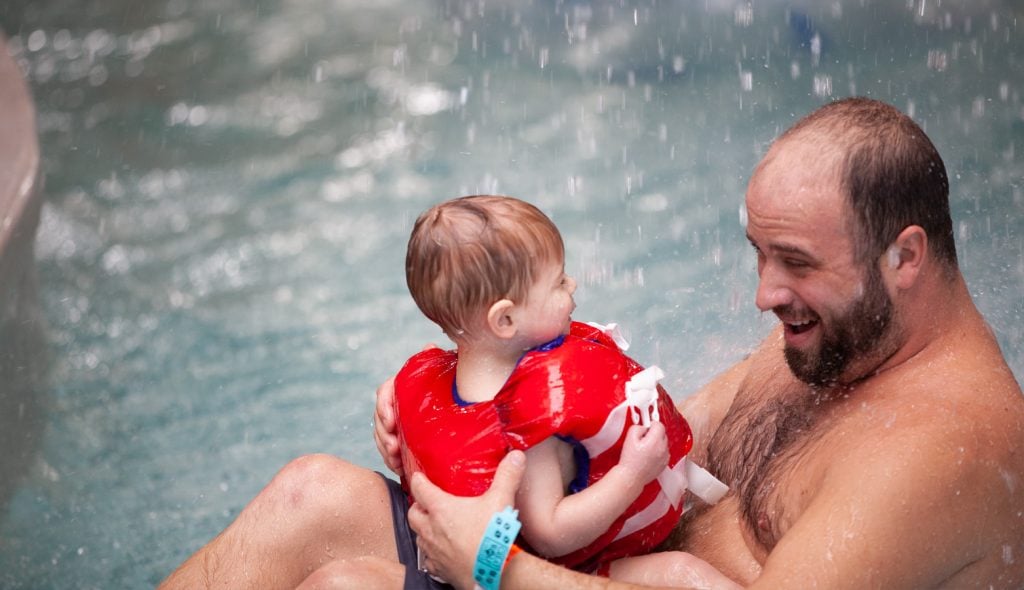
(465, 254)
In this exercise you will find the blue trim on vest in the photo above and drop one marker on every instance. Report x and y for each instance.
(582, 458)
(457, 399)
(550, 345)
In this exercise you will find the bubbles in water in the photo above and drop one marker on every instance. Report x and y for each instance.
(111, 188)
(427, 99)
(183, 114)
(198, 116)
(97, 75)
(115, 260)
(36, 40)
(385, 144)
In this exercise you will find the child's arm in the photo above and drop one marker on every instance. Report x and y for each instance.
(555, 524)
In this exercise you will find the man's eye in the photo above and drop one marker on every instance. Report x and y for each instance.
(795, 263)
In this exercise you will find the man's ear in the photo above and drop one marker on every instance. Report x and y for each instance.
(905, 256)
(499, 319)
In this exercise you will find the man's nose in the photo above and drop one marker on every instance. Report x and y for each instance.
(772, 290)
(572, 285)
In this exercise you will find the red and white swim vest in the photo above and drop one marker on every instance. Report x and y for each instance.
(573, 388)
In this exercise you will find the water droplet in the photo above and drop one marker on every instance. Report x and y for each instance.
(822, 85)
(746, 80)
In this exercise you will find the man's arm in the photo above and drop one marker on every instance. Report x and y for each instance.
(449, 530)
(556, 524)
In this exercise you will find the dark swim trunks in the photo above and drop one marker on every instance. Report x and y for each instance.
(405, 541)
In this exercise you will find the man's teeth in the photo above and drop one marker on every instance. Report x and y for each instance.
(801, 326)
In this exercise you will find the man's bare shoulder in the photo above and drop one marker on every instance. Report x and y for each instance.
(940, 445)
(936, 483)
(956, 398)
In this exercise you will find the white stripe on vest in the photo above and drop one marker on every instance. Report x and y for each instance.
(672, 480)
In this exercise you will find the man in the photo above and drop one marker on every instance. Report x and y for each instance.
(870, 441)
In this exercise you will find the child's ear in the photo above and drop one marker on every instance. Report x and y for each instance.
(499, 319)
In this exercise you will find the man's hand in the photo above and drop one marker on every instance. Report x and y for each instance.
(449, 528)
(385, 428)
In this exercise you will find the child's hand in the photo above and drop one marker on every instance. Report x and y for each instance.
(645, 451)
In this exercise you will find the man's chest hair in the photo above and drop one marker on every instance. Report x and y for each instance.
(757, 451)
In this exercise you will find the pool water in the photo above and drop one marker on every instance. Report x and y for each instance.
(230, 185)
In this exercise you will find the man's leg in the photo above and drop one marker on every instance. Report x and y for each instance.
(362, 572)
(672, 569)
(317, 509)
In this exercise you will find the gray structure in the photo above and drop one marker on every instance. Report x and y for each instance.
(22, 346)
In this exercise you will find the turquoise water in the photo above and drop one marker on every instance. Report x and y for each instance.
(230, 184)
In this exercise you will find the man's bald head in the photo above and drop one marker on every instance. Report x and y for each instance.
(888, 170)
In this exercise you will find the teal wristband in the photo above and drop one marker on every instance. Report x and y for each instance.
(494, 547)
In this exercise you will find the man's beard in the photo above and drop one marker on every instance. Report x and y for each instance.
(852, 335)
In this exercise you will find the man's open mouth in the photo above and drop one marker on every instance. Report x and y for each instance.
(801, 327)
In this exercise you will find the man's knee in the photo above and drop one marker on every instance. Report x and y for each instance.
(316, 470)
(312, 479)
(362, 572)
(316, 486)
